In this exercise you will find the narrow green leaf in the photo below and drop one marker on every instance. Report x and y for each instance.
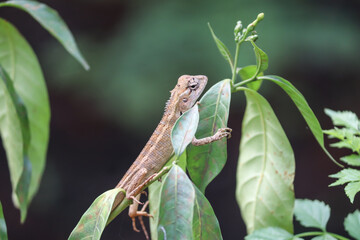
(351, 189)
(270, 233)
(352, 224)
(343, 118)
(205, 224)
(312, 213)
(184, 130)
(176, 206)
(304, 109)
(352, 160)
(93, 222)
(266, 168)
(3, 229)
(52, 22)
(324, 237)
(222, 48)
(19, 61)
(14, 101)
(250, 72)
(261, 59)
(205, 162)
(22, 188)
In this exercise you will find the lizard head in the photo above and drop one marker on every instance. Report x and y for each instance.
(188, 89)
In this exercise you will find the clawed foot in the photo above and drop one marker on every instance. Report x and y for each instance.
(140, 214)
(223, 132)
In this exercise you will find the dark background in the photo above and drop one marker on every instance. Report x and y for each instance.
(101, 119)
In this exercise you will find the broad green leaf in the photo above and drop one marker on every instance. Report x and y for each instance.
(3, 229)
(222, 48)
(261, 59)
(205, 162)
(352, 160)
(184, 130)
(351, 189)
(20, 62)
(266, 168)
(304, 109)
(13, 101)
(270, 233)
(52, 22)
(324, 237)
(250, 72)
(93, 222)
(154, 195)
(205, 224)
(352, 224)
(343, 118)
(176, 206)
(312, 213)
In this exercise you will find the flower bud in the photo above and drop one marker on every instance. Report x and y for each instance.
(238, 27)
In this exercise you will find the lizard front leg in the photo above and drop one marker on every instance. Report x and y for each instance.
(220, 134)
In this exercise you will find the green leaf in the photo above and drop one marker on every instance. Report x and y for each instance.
(154, 195)
(347, 138)
(184, 130)
(351, 189)
(176, 206)
(343, 118)
(249, 72)
(93, 222)
(312, 213)
(51, 21)
(15, 102)
(345, 176)
(352, 224)
(205, 162)
(324, 237)
(270, 233)
(266, 168)
(352, 178)
(352, 160)
(304, 109)
(205, 224)
(3, 229)
(19, 61)
(154, 202)
(261, 59)
(222, 48)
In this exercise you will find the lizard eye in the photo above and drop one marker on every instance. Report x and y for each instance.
(185, 100)
(193, 86)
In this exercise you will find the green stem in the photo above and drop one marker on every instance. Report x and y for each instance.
(235, 62)
(242, 83)
(307, 234)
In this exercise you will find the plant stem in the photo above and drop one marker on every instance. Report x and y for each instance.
(235, 62)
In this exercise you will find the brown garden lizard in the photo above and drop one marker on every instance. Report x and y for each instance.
(158, 150)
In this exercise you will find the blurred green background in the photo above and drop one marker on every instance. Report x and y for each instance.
(101, 119)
